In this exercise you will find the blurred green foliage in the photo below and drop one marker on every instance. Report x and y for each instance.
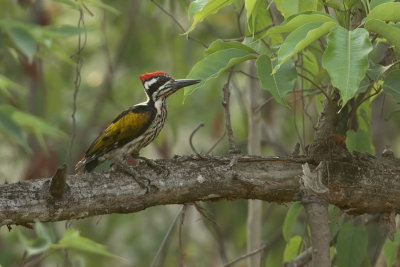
(123, 39)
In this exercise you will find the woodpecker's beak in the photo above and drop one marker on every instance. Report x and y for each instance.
(177, 84)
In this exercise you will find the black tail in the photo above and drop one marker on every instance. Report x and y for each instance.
(91, 165)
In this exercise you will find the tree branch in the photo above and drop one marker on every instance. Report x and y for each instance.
(363, 185)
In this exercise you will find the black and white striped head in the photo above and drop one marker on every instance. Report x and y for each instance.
(159, 85)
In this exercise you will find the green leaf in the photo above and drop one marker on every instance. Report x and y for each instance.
(375, 3)
(364, 118)
(32, 124)
(11, 129)
(40, 244)
(335, 220)
(218, 45)
(6, 84)
(72, 240)
(391, 84)
(291, 7)
(195, 7)
(249, 5)
(71, 3)
(386, 11)
(290, 219)
(375, 72)
(257, 45)
(203, 9)
(23, 40)
(390, 249)
(359, 141)
(346, 59)
(389, 32)
(302, 37)
(259, 19)
(213, 65)
(57, 31)
(299, 20)
(292, 248)
(100, 4)
(279, 83)
(351, 245)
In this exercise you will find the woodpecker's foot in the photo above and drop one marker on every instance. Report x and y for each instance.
(158, 168)
(141, 181)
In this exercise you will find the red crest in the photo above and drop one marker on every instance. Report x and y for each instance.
(149, 75)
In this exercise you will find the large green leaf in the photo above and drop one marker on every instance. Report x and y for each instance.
(302, 37)
(32, 123)
(6, 84)
(257, 45)
(359, 141)
(11, 129)
(23, 40)
(214, 64)
(73, 240)
(57, 31)
(389, 32)
(351, 245)
(41, 243)
(100, 4)
(292, 248)
(279, 83)
(299, 20)
(386, 11)
(291, 7)
(290, 219)
(218, 45)
(346, 59)
(391, 84)
(250, 5)
(259, 18)
(390, 249)
(375, 3)
(200, 9)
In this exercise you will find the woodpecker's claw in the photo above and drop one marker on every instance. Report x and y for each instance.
(159, 169)
(132, 172)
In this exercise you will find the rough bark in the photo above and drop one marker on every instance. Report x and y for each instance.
(363, 185)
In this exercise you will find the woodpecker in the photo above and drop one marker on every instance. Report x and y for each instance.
(137, 126)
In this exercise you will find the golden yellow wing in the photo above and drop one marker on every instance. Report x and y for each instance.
(127, 126)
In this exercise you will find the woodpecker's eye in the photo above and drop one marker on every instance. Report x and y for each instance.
(155, 83)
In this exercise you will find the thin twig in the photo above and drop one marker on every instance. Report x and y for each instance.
(203, 212)
(238, 20)
(241, 38)
(241, 101)
(316, 85)
(181, 252)
(77, 82)
(177, 23)
(166, 238)
(191, 138)
(263, 104)
(251, 253)
(217, 231)
(302, 104)
(391, 114)
(225, 104)
(326, 7)
(302, 259)
(245, 73)
(216, 143)
(296, 127)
